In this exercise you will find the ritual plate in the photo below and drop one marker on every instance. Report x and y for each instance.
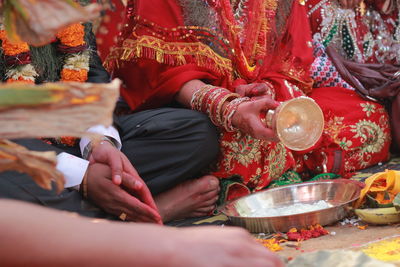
(264, 212)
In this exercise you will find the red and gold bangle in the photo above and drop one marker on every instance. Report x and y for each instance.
(205, 100)
(230, 110)
(211, 100)
(198, 95)
(218, 112)
(215, 105)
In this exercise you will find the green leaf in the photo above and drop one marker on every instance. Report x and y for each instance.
(372, 203)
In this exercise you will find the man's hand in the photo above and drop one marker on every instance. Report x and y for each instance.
(114, 199)
(247, 118)
(107, 154)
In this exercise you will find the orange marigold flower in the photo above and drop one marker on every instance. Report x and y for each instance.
(68, 140)
(73, 35)
(12, 49)
(68, 75)
(20, 80)
(3, 34)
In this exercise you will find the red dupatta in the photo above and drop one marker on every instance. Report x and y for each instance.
(157, 53)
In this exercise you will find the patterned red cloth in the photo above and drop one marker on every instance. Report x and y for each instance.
(160, 50)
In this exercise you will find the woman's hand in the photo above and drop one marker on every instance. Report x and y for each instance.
(255, 89)
(247, 118)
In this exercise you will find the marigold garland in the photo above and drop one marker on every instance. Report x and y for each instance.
(76, 65)
(20, 79)
(73, 35)
(76, 62)
(69, 75)
(13, 49)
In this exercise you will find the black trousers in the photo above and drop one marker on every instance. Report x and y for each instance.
(166, 146)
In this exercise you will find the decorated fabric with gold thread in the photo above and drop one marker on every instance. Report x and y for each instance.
(368, 33)
(356, 135)
(233, 38)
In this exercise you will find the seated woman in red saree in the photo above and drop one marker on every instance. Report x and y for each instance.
(200, 52)
(359, 127)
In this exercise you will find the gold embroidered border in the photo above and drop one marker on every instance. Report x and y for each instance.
(171, 53)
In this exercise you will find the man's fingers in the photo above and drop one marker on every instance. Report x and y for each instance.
(131, 183)
(142, 189)
(116, 165)
(138, 188)
(106, 154)
(137, 207)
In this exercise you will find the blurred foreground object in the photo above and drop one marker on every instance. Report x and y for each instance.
(39, 165)
(333, 258)
(37, 22)
(55, 109)
(49, 110)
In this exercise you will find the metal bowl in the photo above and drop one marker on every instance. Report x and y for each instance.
(339, 193)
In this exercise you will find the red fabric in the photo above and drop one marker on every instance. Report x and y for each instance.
(356, 134)
(109, 28)
(160, 82)
(235, 191)
(151, 84)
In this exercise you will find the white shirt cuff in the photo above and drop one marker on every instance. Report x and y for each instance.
(110, 132)
(72, 167)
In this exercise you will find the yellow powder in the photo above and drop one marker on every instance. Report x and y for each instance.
(386, 250)
(271, 244)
